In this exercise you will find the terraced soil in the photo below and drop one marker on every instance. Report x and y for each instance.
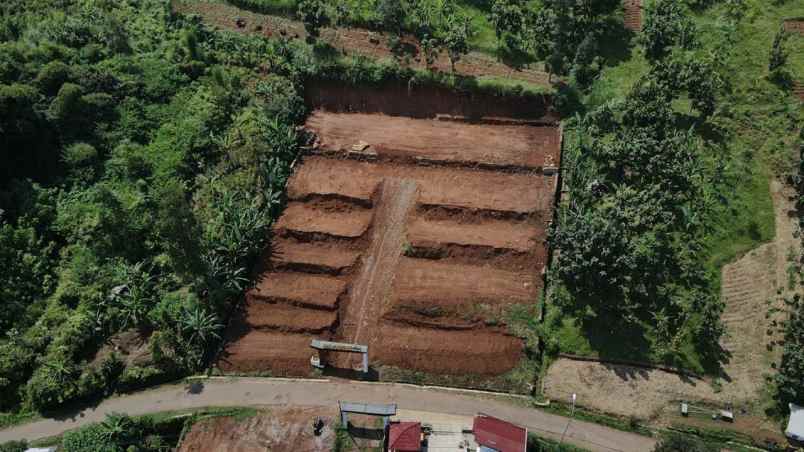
(410, 235)
(633, 15)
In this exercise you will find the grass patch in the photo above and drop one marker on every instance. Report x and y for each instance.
(632, 424)
(538, 444)
(12, 419)
(516, 381)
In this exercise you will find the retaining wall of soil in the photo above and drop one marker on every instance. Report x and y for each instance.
(794, 26)
(400, 98)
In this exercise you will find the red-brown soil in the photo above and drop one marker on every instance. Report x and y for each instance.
(415, 243)
(329, 257)
(798, 90)
(272, 352)
(401, 98)
(416, 140)
(278, 430)
(492, 233)
(794, 26)
(448, 352)
(260, 315)
(308, 219)
(422, 282)
(314, 291)
(633, 15)
(439, 186)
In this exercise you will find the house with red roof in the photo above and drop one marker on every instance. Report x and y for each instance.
(405, 437)
(496, 435)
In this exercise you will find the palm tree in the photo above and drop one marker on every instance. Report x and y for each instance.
(199, 327)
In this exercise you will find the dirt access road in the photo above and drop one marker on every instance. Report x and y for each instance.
(272, 392)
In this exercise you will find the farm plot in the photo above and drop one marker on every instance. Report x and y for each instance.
(411, 236)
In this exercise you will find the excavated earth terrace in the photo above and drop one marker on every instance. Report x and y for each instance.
(412, 235)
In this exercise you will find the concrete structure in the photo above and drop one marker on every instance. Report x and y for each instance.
(795, 426)
(370, 409)
(338, 347)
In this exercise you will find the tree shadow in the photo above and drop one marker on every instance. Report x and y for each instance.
(615, 42)
(613, 338)
(514, 58)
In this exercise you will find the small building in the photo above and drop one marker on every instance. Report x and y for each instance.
(405, 437)
(495, 435)
(795, 426)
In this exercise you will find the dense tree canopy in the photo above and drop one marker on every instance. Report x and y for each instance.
(141, 171)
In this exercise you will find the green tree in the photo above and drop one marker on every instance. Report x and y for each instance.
(666, 26)
(315, 15)
(456, 36)
(682, 443)
(790, 376)
(391, 14)
(509, 18)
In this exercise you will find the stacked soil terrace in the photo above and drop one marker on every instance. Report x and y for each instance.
(794, 26)
(412, 235)
(633, 15)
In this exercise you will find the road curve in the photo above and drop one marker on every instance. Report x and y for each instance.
(266, 392)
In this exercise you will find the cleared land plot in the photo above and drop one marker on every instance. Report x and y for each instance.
(315, 255)
(417, 248)
(303, 218)
(276, 352)
(438, 141)
(297, 288)
(497, 234)
(425, 282)
(449, 187)
(279, 430)
(448, 352)
(284, 317)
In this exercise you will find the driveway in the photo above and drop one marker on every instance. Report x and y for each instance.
(224, 392)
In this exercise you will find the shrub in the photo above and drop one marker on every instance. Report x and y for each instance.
(51, 77)
(14, 446)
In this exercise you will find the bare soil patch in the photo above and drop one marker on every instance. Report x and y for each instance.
(633, 15)
(280, 430)
(438, 284)
(415, 140)
(328, 257)
(272, 352)
(260, 315)
(411, 236)
(520, 193)
(305, 218)
(442, 351)
(496, 234)
(315, 291)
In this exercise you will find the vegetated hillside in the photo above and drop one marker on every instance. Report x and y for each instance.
(668, 171)
(141, 167)
(144, 159)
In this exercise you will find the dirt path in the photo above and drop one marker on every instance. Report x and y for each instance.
(351, 40)
(747, 285)
(273, 392)
(373, 284)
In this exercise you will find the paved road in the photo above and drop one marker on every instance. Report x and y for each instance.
(261, 391)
